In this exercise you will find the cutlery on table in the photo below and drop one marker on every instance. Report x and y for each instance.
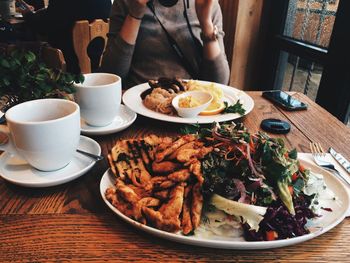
(320, 159)
(340, 159)
(91, 155)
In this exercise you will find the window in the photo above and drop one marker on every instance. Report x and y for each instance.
(308, 52)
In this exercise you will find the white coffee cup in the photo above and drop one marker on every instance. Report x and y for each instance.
(44, 132)
(99, 98)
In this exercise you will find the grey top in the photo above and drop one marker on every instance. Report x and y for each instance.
(152, 56)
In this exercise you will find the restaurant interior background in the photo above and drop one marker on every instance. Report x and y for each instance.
(293, 45)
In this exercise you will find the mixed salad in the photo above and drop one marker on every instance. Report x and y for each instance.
(255, 187)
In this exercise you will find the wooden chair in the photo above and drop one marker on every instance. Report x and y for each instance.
(83, 34)
(53, 57)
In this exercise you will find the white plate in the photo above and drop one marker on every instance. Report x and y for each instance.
(122, 121)
(132, 99)
(327, 221)
(18, 171)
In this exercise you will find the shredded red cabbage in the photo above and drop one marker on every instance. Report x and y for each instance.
(277, 218)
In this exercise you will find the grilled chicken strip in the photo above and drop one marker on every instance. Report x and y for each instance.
(186, 155)
(123, 206)
(126, 192)
(167, 217)
(160, 156)
(180, 176)
(111, 164)
(186, 223)
(189, 145)
(162, 195)
(197, 204)
(166, 184)
(144, 202)
(196, 169)
(156, 142)
(165, 167)
(120, 156)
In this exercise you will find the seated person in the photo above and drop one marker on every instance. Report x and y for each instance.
(138, 48)
(57, 20)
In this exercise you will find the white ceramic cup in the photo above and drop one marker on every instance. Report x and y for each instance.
(99, 98)
(44, 132)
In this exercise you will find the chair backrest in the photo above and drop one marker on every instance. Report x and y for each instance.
(83, 33)
(53, 58)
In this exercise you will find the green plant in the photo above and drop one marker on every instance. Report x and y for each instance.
(23, 77)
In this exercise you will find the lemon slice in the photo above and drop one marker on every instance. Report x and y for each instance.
(214, 108)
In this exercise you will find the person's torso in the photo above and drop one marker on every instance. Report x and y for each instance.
(153, 51)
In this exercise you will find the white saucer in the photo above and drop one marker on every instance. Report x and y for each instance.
(122, 121)
(17, 171)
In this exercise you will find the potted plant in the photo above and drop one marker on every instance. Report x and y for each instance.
(23, 77)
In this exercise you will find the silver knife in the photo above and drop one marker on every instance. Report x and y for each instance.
(341, 159)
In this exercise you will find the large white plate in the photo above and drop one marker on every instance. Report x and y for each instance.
(16, 170)
(132, 99)
(327, 221)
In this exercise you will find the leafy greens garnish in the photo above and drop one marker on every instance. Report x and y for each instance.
(235, 108)
(190, 129)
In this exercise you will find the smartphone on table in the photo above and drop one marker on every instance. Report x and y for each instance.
(284, 100)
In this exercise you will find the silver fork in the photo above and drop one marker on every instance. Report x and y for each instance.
(321, 160)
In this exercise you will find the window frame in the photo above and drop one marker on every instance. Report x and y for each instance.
(334, 89)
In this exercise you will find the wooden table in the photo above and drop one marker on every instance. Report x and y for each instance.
(71, 222)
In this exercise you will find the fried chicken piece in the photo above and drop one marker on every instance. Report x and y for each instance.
(156, 144)
(167, 217)
(197, 204)
(185, 155)
(186, 212)
(158, 179)
(189, 145)
(162, 195)
(160, 156)
(161, 182)
(166, 184)
(111, 165)
(173, 208)
(165, 167)
(141, 192)
(180, 176)
(144, 202)
(120, 157)
(143, 152)
(196, 169)
(124, 207)
(127, 193)
(140, 175)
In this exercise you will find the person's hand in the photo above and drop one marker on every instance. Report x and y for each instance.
(137, 8)
(204, 10)
(23, 8)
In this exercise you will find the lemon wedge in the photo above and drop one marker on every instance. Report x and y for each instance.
(214, 108)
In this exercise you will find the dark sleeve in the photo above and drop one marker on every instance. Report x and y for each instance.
(118, 54)
(216, 70)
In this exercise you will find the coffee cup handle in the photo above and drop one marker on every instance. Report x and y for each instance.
(6, 143)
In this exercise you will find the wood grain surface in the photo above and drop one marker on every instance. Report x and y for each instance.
(71, 223)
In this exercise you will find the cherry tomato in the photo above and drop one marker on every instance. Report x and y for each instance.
(295, 177)
(271, 235)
